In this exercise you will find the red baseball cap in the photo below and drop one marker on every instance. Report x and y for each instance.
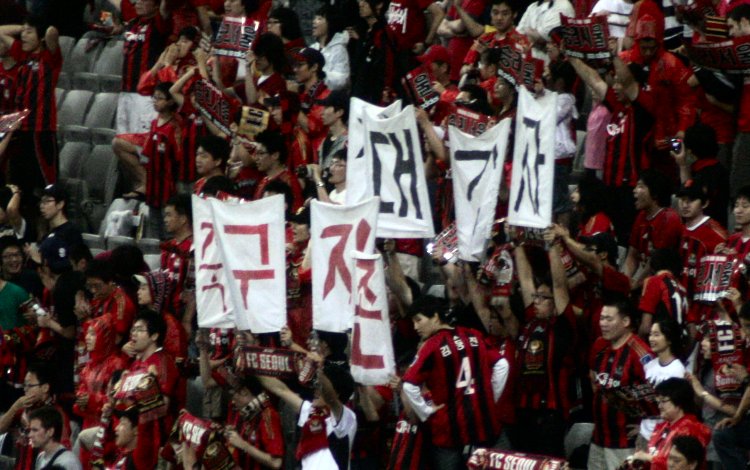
(435, 54)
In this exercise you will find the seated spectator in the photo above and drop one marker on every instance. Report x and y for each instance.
(12, 267)
(331, 41)
(678, 410)
(12, 224)
(687, 453)
(45, 434)
(335, 118)
(700, 146)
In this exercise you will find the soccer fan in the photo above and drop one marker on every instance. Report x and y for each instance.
(308, 72)
(539, 20)
(211, 159)
(299, 277)
(372, 57)
(270, 158)
(104, 358)
(617, 360)
(284, 22)
(500, 32)
(336, 178)
(335, 117)
(738, 21)
(8, 76)
(54, 209)
(33, 160)
(327, 425)
(656, 226)
(454, 32)
(700, 146)
(618, 15)
(45, 434)
(739, 242)
(12, 296)
(285, 109)
(12, 267)
(677, 409)
(38, 393)
(669, 79)
(253, 427)
(700, 237)
(462, 375)
(687, 453)
(331, 41)
(629, 131)
(109, 299)
(176, 59)
(407, 24)
(666, 341)
(545, 355)
(145, 38)
(266, 62)
(129, 439)
(177, 252)
(591, 205)
(663, 294)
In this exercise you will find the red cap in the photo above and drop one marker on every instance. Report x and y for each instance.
(435, 54)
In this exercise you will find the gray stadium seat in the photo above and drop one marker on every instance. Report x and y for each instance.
(94, 241)
(102, 112)
(81, 57)
(102, 135)
(66, 46)
(109, 61)
(59, 95)
(110, 83)
(74, 107)
(118, 240)
(64, 81)
(85, 81)
(149, 245)
(72, 155)
(100, 176)
(153, 261)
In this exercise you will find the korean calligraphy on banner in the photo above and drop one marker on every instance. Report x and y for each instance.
(216, 105)
(372, 359)
(395, 173)
(235, 37)
(252, 258)
(477, 169)
(334, 233)
(356, 165)
(533, 160)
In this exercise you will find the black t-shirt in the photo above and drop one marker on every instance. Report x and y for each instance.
(64, 300)
(68, 233)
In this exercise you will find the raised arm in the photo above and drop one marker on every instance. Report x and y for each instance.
(279, 388)
(52, 39)
(525, 276)
(589, 76)
(559, 278)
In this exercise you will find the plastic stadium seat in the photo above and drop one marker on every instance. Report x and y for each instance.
(72, 156)
(82, 56)
(150, 245)
(102, 135)
(64, 81)
(109, 61)
(102, 112)
(74, 108)
(85, 81)
(94, 241)
(59, 95)
(110, 83)
(99, 174)
(153, 261)
(66, 46)
(118, 240)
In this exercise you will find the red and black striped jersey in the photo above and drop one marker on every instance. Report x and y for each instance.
(145, 40)
(741, 246)
(661, 230)
(8, 78)
(35, 87)
(613, 369)
(162, 149)
(194, 128)
(628, 135)
(696, 242)
(456, 366)
(663, 294)
(408, 451)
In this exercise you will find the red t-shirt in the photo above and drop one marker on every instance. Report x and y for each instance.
(697, 242)
(175, 260)
(662, 230)
(8, 78)
(163, 150)
(663, 293)
(661, 440)
(458, 46)
(493, 40)
(145, 39)
(263, 431)
(120, 308)
(287, 177)
(456, 366)
(406, 22)
(743, 120)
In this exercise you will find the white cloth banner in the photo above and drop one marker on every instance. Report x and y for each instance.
(395, 173)
(356, 165)
(372, 359)
(253, 259)
(533, 160)
(477, 170)
(335, 232)
(212, 302)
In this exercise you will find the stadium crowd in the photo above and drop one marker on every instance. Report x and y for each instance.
(590, 341)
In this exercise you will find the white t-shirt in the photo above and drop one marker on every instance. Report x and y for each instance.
(337, 197)
(618, 15)
(66, 460)
(345, 428)
(657, 373)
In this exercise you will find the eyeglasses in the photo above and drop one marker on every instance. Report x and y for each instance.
(663, 400)
(30, 386)
(12, 256)
(541, 297)
(139, 329)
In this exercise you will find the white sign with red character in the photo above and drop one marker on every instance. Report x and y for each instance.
(372, 359)
(335, 232)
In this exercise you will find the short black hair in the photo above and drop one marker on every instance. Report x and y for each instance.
(274, 142)
(429, 306)
(155, 324)
(164, 87)
(271, 47)
(289, 22)
(666, 258)
(680, 392)
(183, 205)
(689, 446)
(511, 3)
(593, 197)
(658, 185)
(39, 23)
(341, 379)
(50, 418)
(80, 252)
(563, 70)
(333, 18)
(251, 383)
(743, 193)
(190, 32)
(9, 241)
(279, 187)
(100, 269)
(219, 183)
(674, 334)
(480, 102)
(624, 308)
(126, 260)
(43, 372)
(701, 140)
(739, 12)
(217, 147)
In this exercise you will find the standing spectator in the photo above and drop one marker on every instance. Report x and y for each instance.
(540, 18)
(12, 297)
(590, 198)
(618, 16)
(270, 158)
(284, 22)
(328, 31)
(461, 412)
(177, 252)
(211, 159)
(336, 178)
(8, 77)
(12, 267)
(617, 361)
(407, 26)
(372, 58)
(145, 39)
(335, 118)
(454, 31)
(663, 294)
(54, 209)
(500, 32)
(739, 242)
(309, 74)
(266, 64)
(33, 159)
(738, 21)
(285, 112)
(45, 434)
(109, 299)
